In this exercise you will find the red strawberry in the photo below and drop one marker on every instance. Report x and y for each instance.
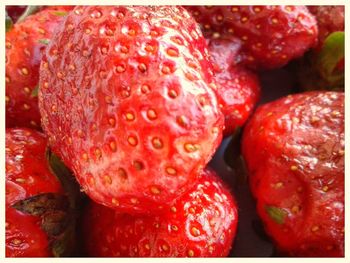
(294, 150)
(323, 67)
(271, 36)
(238, 89)
(125, 99)
(36, 207)
(25, 43)
(15, 11)
(201, 223)
(330, 18)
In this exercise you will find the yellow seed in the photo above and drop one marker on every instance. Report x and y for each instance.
(325, 188)
(295, 209)
(173, 209)
(98, 153)
(157, 143)
(138, 165)
(7, 79)
(120, 68)
(129, 116)
(111, 121)
(108, 179)
(274, 20)
(172, 94)
(132, 140)
(294, 168)
(165, 247)
(315, 228)
(24, 71)
(115, 202)
(278, 185)
(26, 90)
(7, 98)
(155, 190)
(172, 52)
(189, 147)
(151, 114)
(142, 67)
(16, 241)
(190, 253)
(181, 120)
(244, 19)
(20, 180)
(85, 156)
(166, 70)
(175, 228)
(341, 152)
(257, 9)
(145, 88)
(134, 200)
(171, 171)
(147, 246)
(234, 9)
(113, 146)
(195, 231)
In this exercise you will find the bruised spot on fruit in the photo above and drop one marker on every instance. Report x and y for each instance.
(171, 171)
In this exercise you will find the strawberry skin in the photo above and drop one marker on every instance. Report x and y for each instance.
(238, 89)
(27, 175)
(129, 88)
(329, 18)
(201, 223)
(294, 151)
(25, 43)
(271, 36)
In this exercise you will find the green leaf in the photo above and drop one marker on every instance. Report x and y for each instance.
(31, 9)
(276, 214)
(35, 91)
(44, 41)
(331, 54)
(60, 13)
(9, 22)
(39, 204)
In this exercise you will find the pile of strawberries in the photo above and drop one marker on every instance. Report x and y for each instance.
(128, 104)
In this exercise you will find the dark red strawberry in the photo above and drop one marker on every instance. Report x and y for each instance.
(237, 88)
(201, 223)
(271, 36)
(323, 67)
(294, 151)
(125, 99)
(38, 215)
(25, 43)
(15, 11)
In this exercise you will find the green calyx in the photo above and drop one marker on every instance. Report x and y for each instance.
(31, 9)
(276, 214)
(8, 22)
(332, 52)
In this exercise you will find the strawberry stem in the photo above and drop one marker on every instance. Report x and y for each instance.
(31, 9)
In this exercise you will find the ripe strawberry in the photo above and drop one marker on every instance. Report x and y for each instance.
(25, 43)
(201, 223)
(294, 150)
(125, 99)
(15, 11)
(330, 18)
(323, 67)
(238, 89)
(38, 220)
(271, 36)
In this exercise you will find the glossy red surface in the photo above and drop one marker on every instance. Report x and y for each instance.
(201, 223)
(27, 175)
(294, 150)
(125, 100)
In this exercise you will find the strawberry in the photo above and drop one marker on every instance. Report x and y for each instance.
(238, 89)
(15, 11)
(294, 151)
(37, 208)
(270, 36)
(200, 223)
(126, 101)
(323, 67)
(25, 43)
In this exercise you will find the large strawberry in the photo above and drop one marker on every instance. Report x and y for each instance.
(237, 88)
(39, 218)
(270, 36)
(323, 67)
(126, 102)
(294, 150)
(25, 43)
(201, 223)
